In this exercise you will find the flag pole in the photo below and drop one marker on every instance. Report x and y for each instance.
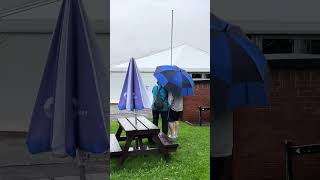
(171, 33)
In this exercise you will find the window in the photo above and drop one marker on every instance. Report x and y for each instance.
(314, 47)
(277, 46)
(207, 76)
(196, 76)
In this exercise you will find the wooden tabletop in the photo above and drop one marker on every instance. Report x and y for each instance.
(141, 125)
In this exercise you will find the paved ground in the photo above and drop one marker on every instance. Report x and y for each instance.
(17, 164)
(115, 112)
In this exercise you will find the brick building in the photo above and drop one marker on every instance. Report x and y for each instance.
(201, 98)
(290, 40)
(294, 112)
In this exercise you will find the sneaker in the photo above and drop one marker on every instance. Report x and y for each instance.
(175, 135)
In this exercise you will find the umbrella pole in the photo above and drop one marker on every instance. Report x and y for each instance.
(135, 116)
(81, 164)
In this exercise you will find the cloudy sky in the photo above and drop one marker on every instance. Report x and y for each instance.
(141, 27)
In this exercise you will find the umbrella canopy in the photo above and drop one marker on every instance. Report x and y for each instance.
(238, 66)
(69, 112)
(134, 95)
(174, 79)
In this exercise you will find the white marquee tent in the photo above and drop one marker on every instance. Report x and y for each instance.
(191, 59)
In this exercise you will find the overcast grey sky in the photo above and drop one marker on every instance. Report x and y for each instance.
(140, 27)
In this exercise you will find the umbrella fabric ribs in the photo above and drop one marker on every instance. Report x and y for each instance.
(175, 80)
(69, 113)
(238, 67)
(134, 95)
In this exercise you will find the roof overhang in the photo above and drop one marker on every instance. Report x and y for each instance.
(297, 61)
(151, 70)
(279, 27)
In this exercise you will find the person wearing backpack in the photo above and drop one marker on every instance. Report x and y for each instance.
(160, 106)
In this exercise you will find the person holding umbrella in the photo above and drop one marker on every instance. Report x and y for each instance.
(178, 83)
(160, 106)
(240, 77)
(175, 111)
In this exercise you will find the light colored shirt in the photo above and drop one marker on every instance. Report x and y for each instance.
(175, 102)
(222, 134)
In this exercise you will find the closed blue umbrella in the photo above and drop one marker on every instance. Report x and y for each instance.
(134, 95)
(175, 80)
(238, 65)
(69, 112)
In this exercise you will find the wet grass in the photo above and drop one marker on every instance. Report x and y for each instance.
(191, 161)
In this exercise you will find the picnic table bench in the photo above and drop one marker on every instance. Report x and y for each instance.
(136, 130)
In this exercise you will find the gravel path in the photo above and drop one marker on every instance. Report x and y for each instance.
(116, 113)
(16, 163)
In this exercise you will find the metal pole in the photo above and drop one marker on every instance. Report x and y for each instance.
(288, 160)
(135, 116)
(171, 33)
(82, 172)
(81, 165)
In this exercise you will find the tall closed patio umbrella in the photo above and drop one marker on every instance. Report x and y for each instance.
(69, 114)
(134, 95)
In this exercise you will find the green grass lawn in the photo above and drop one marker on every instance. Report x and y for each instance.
(191, 161)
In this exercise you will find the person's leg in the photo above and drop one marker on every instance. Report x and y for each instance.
(174, 129)
(171, 127)
(177, 123)
(177, 127)
(175, 118)
(164, 117)
(170, 120)
(221, 167)
(155, 115)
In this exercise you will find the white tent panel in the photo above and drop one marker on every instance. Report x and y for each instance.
(186, 57)
(24, 54)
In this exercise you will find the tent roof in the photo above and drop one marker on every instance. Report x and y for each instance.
(186, 57)
(39, 16)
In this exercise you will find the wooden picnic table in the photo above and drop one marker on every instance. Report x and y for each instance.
(137, 130)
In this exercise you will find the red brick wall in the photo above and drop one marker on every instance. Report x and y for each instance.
(259, 134)
(201, 98)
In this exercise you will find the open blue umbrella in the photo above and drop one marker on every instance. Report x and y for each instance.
(134, 95)
(238, 65)
(175, 80)
(70, 109)
(240, 78)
